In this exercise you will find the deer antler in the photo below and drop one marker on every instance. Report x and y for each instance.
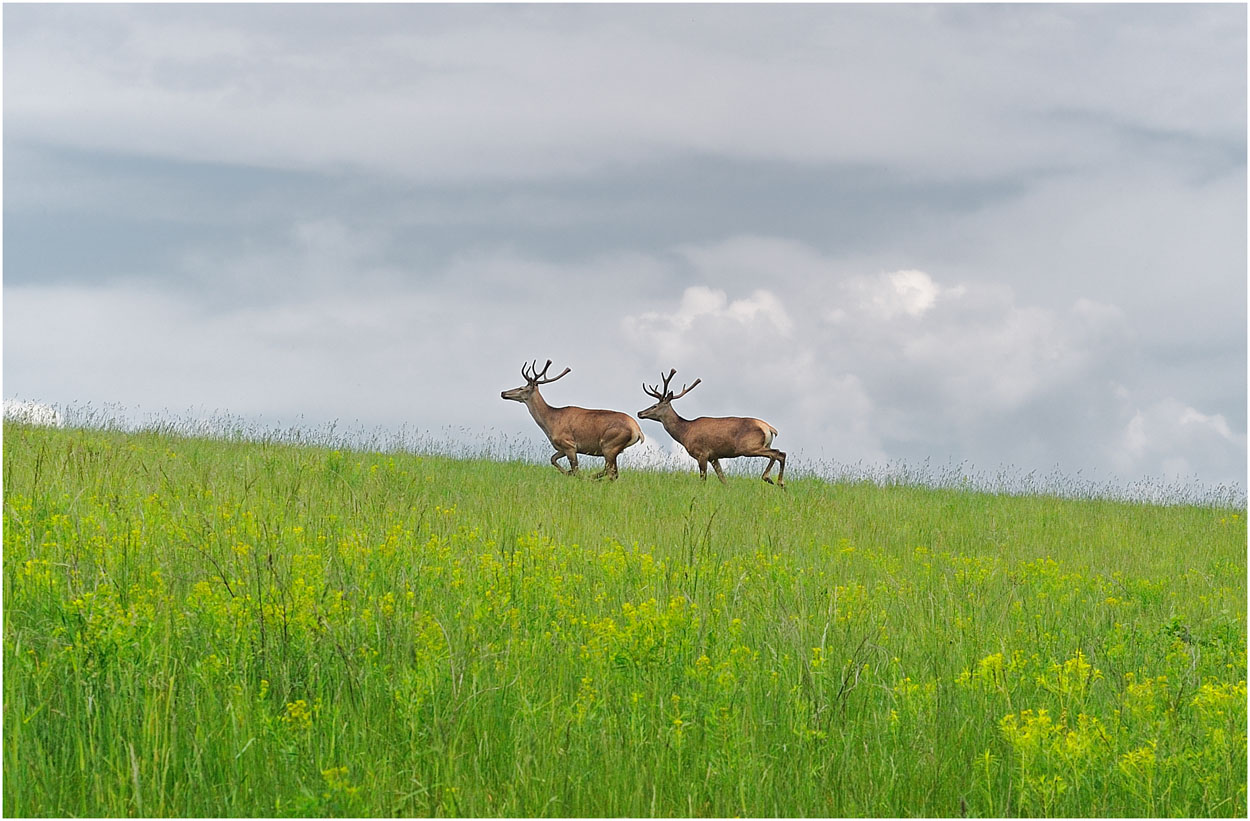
(659, 392)
(534, 377)
(663, 393)
(554, 378)
(685, 390)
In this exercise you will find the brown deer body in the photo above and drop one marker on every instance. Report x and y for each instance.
(712, 438)
(575, 430)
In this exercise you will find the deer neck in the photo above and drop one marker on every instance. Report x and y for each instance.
(674, 424)
(542, 412)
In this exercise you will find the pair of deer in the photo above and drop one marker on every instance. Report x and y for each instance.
(606, 433)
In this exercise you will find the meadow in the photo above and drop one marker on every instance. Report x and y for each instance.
(209, 626)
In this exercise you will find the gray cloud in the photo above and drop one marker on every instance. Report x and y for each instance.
(443, 94)
(1014, 235)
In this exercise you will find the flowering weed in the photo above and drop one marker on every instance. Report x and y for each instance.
(221, 627)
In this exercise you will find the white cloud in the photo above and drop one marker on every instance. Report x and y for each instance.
(913, 293)
(1215, 423)
(1170, 438)
(905, 363)
(886, 296)
(750, 355)
(709, 312)
(970, 345)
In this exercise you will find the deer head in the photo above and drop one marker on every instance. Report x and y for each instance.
(533, 378)
(665, 396)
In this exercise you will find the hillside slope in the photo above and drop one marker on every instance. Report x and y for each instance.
(202, 627)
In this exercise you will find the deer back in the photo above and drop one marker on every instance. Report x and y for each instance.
(720, 437)
(589, 428)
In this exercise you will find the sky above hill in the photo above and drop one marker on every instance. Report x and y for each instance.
(1012, 235)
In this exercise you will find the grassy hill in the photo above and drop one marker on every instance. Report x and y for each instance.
(205, 627)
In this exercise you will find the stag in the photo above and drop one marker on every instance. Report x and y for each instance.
(575, 430)
(712, 438)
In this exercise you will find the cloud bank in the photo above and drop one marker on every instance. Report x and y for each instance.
(1007, 235)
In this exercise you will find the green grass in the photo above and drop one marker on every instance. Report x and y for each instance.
(198, 627)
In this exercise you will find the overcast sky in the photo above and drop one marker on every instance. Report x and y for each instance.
(1007, 235)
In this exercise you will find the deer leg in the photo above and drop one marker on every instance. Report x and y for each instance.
(555, 460)
(773, 455)
(609, 466)
(613, 446)
(609, 450)
(719, 473)
(568, 450)
(703, 469)
(780, 458)
(609, 460)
